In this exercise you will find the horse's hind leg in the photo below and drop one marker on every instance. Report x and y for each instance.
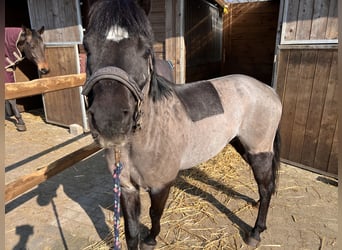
(265, 177)
(130, 202)
(158, 200)
(265, 169)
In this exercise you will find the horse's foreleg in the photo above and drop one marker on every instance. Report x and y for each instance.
(130, 203)
(265, 175)
(158, 200)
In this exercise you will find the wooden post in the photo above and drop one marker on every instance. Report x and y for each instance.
(174, 40)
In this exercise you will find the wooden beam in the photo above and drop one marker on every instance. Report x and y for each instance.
(43, 85)
(25, 183)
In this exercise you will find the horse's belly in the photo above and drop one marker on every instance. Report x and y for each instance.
(207, 138)
(195, 158)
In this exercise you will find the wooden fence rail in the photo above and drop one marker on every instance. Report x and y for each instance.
(25, 183)
(43, 85)
(35, 87)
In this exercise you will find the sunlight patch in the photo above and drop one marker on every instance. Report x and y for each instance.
(117, 33)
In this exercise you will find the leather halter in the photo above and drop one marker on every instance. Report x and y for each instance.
(122, 77)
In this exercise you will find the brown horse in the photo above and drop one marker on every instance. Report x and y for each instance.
(19, 43)
(156, 128)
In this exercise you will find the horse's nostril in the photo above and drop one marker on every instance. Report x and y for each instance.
(44, 71)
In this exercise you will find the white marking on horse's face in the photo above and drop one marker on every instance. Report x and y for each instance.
(117, 33)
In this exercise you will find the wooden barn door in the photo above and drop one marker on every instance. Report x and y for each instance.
(63, 33)
(306, 80)
(63, 107)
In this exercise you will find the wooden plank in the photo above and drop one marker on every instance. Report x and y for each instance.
(319, 19)
(174, 43)
(283, 58)
(332, 24)
(43, 85)
(25, 183)
(305, 81)
(305, 13)
(289, 101)
(318, 93)
(329, 120)
(290, 19)
(333, 159)
(170, 42)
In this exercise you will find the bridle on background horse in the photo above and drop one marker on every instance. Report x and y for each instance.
(115, 73)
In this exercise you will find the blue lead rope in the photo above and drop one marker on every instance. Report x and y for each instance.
(117, 193)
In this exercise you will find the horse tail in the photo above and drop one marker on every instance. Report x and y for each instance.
(276, 159)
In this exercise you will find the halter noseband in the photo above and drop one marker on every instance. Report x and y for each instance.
(121, 76)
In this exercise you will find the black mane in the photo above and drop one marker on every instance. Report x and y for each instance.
(129, 15)
(160, 87)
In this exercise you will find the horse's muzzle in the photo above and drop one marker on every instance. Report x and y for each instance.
(43, 67)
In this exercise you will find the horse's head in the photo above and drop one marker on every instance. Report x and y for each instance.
(32, 45)
(119, 46)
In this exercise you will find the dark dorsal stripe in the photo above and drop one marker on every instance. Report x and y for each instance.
(200, 100)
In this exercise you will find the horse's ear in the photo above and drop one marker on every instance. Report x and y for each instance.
(145, 5)
(26, 31)
(41, 30)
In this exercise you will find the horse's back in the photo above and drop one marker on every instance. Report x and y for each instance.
(251, 111)
(259, 106)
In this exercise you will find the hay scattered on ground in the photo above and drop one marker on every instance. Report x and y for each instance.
(204, 207)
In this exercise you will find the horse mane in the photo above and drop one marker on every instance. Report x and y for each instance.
(124, 13)
(160, 87)
(129, 15)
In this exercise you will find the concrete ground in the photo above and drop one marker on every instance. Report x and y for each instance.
(73, 210)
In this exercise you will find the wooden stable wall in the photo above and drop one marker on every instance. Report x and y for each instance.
(306, 80)
(310, 22)
(307, 85)
(249, 39)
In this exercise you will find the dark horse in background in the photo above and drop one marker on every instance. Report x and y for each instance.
(157, 128)
(19, 43)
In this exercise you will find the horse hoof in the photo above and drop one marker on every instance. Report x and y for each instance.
(253, 242)
(21, 127)
(150, 241)
(146, 246)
